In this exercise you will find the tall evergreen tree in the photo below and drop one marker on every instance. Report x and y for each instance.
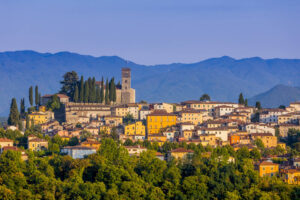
(86, 92)
(246, 102)
(258, 105)
(98, 94)
(37, 100)
(81, 91)
(112, 90)
(90, 84)
(241, 99)
(102, 91)
(22, 107)
(69, 83)
(75, 97)
(31, 96)
(14, 115)
(27, 122)
(32, 124)
(106, 92)
(93, 97)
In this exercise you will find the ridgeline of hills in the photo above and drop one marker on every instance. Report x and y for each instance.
(278, 95)
(222, 78)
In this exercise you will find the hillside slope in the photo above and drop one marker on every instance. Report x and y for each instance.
(223, 78)
(276, 96)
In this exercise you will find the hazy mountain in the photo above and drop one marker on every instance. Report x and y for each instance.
(278, 95)
(223, 78)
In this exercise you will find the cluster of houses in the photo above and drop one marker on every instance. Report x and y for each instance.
(200, 122)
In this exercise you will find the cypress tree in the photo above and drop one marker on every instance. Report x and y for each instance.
(241, 99)
(81, 91)
(31, 96)
(22, 107)
(32, 124)
(90, 84)
(102, 91)
(75, 97)
(110, 90)
(98, 94)
(86, 92)
(27, 122)
(37, 101)
(106, 92)
(246, 102)
(258, 105)
(93, 97)
(14, 115)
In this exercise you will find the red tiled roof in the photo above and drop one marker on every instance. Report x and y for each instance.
(5, 140)
(182, 150)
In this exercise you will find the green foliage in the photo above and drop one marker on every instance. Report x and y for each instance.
(31, 95)
(54, 103)
(76, 93)
(86, 92)
(107, 102)
(37, 97)
(112, 174)
(205, 97)
(81, 91)
(14, 115)
(241, 99)
(258, 105)
(22, 108)
(69, 82)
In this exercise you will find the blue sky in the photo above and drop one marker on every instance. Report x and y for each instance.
(153, 31)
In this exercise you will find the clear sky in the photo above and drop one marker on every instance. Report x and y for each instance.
(153, 31)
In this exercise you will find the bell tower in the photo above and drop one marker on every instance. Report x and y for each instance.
(126, 79)
(127, 93)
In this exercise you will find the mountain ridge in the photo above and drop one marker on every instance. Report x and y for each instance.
(223, 78)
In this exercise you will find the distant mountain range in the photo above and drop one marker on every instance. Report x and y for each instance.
(222, 78)
(278, 95)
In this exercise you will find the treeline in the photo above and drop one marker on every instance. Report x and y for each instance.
(16, 115)
(112, 174)
(87, 91)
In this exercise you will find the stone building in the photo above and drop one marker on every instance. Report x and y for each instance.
(75, 111)
(127, 93)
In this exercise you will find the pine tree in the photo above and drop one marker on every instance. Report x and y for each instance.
(37, 101)
(75, 97)
(27, 122)
(110, 89)
(81, 91)
(102, 91)
(106, 92)
(14, 115)
(98, 94)
(31, 96)
(22, 107)
(241, 99)
(86, 92)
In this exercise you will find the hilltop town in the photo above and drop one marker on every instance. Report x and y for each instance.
(76, 121)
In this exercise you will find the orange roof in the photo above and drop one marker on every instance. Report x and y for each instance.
(5, 140)
(268, 163)
(182, 150)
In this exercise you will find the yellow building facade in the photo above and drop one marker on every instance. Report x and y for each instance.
(136, 128)
(158, 120)
(38, 117)
(291, 176)
(268, 169)
(191, 115)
